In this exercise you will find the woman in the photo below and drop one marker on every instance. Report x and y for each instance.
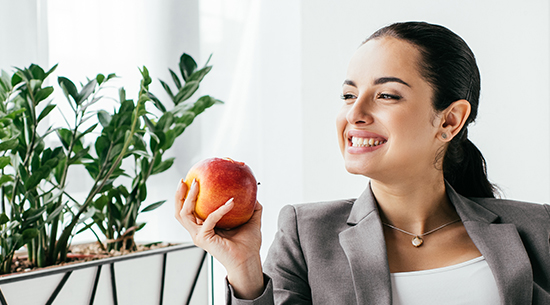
(427, 230)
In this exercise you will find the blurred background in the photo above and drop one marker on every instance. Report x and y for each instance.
(279, 67)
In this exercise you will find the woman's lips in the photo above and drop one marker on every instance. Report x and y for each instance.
(360, 141)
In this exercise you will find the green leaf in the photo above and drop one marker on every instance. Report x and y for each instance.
(152, 127)
(9, 144)
(50, 71)
(153, 206)
(104, 118)
(186, 92)
(165, 121)
(86, 91)
(29, 234)
(101, 145)
(140, 226)
(163, 166)
(46, 110)
(37, 72)
(33, 214)
(14, 114)
(146, 79)
(187, 66)
(69, 89)
(114, 211)
(16, 79)
(55, 213)
(87, 131)
(186, 118)
(122, 95)
(115, 151)
(178, 129)
(43, 94)
(100, 202)
(4, 219)
(170, 138)
(200, 74)
(4, 161)
(167, 89)
(77, 157)
(34, 85)
(156, 102)
(100, 78)
(175, 78)
(65, 135)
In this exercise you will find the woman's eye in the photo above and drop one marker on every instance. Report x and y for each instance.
(386, 96)
(347, 96)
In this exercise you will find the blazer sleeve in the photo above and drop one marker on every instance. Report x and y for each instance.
(285, 268)
(286, 263)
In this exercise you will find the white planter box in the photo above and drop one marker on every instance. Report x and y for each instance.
(171, 275)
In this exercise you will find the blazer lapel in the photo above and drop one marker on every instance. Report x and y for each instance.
(365, 248)
(501, 246)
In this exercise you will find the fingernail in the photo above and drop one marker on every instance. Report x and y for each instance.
(194, 182)
(181, 181)
(229, 201)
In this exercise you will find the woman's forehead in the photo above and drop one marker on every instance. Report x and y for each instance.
(385, 57)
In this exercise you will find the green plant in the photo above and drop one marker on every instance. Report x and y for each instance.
(36, 209)
(118, 207)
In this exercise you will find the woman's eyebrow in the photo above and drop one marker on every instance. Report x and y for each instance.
(349, 83)
(379, 81)
(383, 80)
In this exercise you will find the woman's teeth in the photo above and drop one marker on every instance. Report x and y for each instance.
(364, 142)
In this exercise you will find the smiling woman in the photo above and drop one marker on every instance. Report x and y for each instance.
(427, 229)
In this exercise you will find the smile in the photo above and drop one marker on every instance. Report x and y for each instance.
(366, 142)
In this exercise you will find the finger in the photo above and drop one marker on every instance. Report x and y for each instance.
(257, 216)
(181, 191)
(190, 201)
(186, 215)
(215, 216)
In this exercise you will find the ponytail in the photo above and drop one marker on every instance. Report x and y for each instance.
(465, 169)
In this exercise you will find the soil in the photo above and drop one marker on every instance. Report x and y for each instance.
(79, 253)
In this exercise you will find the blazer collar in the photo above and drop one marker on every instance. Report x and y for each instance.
(502, 247)
(500, 244)
(365, 248)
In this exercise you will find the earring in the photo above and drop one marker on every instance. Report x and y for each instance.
(444, 135)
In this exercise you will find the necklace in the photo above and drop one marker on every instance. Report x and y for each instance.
(417, 240)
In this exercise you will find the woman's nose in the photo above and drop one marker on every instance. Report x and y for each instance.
(359, 113)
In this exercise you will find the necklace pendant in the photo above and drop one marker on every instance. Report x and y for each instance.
(417, 241)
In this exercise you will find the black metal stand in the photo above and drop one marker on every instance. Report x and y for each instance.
(96, 282)
(197, 274)
(2, 298)
(162, 278)
(58, 288)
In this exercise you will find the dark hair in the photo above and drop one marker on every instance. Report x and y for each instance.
(449, 66)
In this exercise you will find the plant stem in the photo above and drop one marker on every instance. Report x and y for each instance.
(61, 247)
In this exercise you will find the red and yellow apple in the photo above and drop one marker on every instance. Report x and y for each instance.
(220, 179)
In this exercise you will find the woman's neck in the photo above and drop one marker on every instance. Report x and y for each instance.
(417, 205)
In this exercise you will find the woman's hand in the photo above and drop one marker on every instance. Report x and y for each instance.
(238, 249)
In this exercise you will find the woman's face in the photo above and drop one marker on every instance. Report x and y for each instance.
(387, 126)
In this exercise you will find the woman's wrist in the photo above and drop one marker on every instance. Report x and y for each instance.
(248, 279)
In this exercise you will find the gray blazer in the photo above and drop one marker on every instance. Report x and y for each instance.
(334, 252)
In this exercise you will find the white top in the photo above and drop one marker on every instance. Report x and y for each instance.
(470, 282)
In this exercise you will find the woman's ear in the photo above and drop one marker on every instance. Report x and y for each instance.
(452, 119)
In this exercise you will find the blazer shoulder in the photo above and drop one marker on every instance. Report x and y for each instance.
(312, 216)
(319, 211)
(517, 211)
